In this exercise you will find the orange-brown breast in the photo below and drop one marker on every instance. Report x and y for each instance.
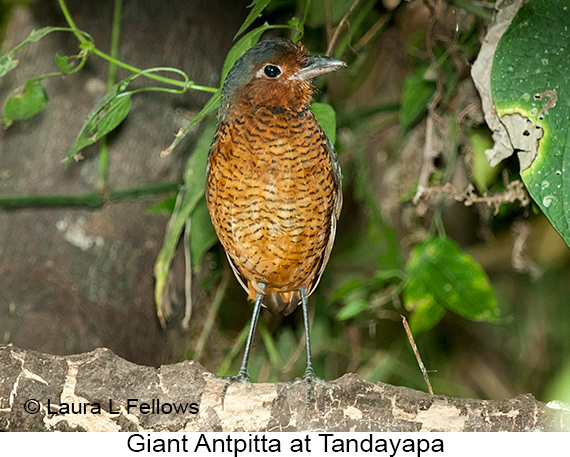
(271, 192)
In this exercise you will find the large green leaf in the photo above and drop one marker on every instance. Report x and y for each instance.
(531, 91)
(188, 198)
(441, 276)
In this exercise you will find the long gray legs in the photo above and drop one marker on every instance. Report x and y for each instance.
(309, 377)
(243, 375)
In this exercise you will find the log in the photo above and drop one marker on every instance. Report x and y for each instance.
(100, 391)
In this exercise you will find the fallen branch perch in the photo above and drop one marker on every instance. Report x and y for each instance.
(99, 391)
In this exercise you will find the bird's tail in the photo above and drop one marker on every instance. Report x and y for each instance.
(282, 302)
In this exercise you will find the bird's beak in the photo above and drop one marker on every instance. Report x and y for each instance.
(317, 66)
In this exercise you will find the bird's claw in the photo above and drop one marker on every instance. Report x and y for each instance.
(242, 377)
(311, 379)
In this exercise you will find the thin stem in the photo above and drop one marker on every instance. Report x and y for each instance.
(103, 171)
(211, 318)
(115, 36)
(71, 22)
(87, 43)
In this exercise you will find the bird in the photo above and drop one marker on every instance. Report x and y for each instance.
(273, 186)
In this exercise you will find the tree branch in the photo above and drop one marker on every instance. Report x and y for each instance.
(115, 395)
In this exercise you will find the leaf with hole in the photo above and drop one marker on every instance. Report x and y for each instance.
(531, 93)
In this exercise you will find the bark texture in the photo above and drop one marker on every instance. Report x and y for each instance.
(113, 394)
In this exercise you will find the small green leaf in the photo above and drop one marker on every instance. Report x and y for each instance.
(63, 64)
(295, 24)
(257, 6)
(26, 104)
(416, 94)
(483, 173)
(202, 234)
(352, 309)
(326, 117)
(36, 35)
(440, 273)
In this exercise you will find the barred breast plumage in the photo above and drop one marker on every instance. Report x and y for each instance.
(274, 196)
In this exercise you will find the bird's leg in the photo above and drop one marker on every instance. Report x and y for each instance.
(309, 377)
(243, 375)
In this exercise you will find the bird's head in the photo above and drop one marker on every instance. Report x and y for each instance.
(275, 73)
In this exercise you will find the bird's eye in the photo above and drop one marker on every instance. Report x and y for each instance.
(271, 71)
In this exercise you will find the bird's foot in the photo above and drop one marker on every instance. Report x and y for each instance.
(311, 378)
(242, 376)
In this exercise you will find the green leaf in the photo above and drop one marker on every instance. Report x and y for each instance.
(202, 233)
(36, 35)
(346, 288)
(247, 41)
(441, 274)
(483, 173)
(257, 6)
(426, 315)
(531, 92)
(115, 112)
(30, 101)
(326, 117)
(63, 64)
(352, 309)
(105, 116)
(188, 198)
(295, 24)
(195, 168)
(333, 12)
(416, 95)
